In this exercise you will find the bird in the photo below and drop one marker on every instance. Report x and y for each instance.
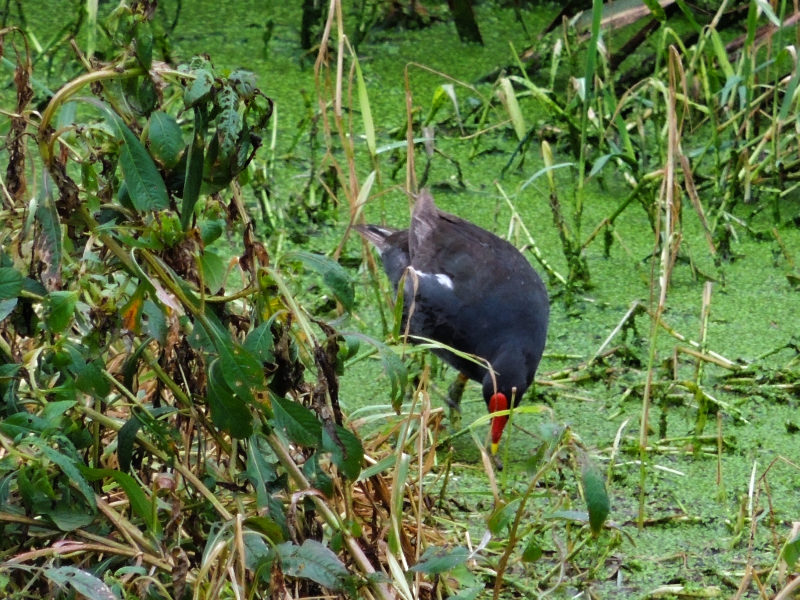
(473, 291)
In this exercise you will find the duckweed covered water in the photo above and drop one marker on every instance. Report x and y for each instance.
(753, 308)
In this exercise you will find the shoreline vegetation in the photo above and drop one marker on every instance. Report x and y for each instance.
(205, 390)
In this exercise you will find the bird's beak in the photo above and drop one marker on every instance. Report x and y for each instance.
(496, 403)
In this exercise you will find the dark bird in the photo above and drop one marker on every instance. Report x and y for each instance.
(476, 293)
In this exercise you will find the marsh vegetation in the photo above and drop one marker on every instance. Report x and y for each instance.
(205, 390)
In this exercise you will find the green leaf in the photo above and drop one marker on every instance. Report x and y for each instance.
(439, 560)
(210, 230)
(90, 380)
(533, 551)
(229, 122)
(140, 503)
(22, 424)
(144, 45)
(228, 412)
(156, 325)
(82, 582)
(597, 500)
(259, 473)
(48, 242)
(299, 423)
(10, 283)
(193, 179)
(7, 307)
(70, 518)
(71, 469)
(366, 111)
(240, 369)
(313, 561)
(260, 343)
(791, 553)
(213, 270)
(126, 438)
(244, 82)
(166, 139)
(348, 458)
(502, 516)
(200, 90)
(142, 179)
(267, 527)
(61, 306)
(333, 275)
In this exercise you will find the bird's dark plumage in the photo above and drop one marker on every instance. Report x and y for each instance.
(475, 292)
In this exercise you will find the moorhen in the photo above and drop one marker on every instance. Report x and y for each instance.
(476, 293)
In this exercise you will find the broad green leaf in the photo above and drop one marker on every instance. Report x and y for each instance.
(597, 500)
(533, 551)
(22, 424)
(300, 424)
(126, 438)
(502, 516)
(156, 325)
(166, 139)
(193, 179)
(240, 369)
(317, 477)
(61, 306)
(228, 412)
(260, 343)
(142, 180)
(259, 472)
(140, 503)
(213, 270)
(210, 230)
(267, 527)
(313, 561)
(72, 470)
(7, 307)
(791, 553)
(81, 581)
(229, 122)
(440, 560)
(48, 242)
(90, 380)
(10, 283)
(348, 458)
(144, 44)
(70, 518)
(53, 411)
(244, 82)
(200, 90)
(333, 275)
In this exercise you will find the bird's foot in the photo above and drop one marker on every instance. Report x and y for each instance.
(498, 462)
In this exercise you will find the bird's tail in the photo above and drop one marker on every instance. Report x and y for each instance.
(374, 234)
